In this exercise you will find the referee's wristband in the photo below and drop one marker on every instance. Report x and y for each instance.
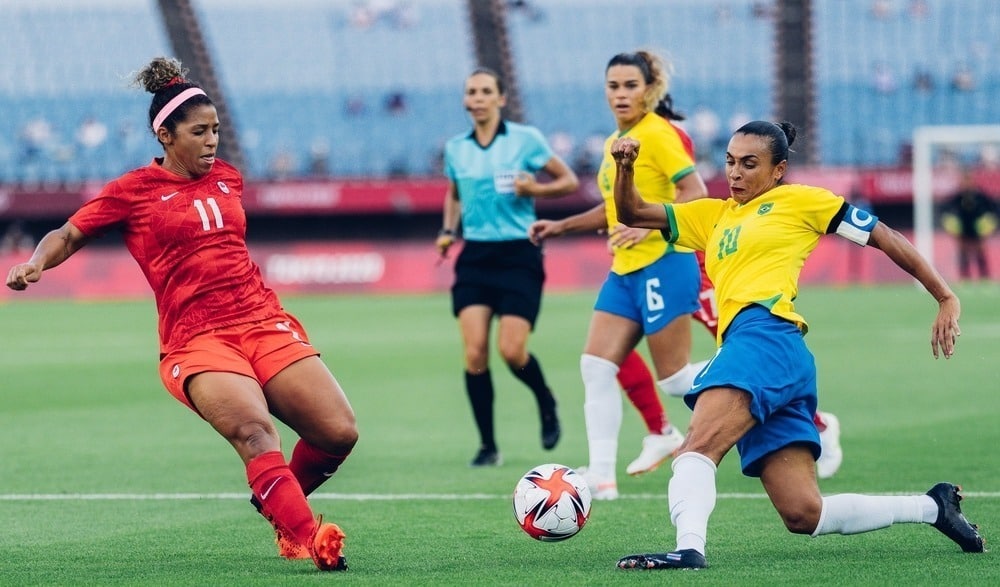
(446, 232)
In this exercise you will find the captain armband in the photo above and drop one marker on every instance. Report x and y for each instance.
(856, 225)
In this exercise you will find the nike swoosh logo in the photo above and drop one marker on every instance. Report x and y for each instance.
(267, 491)
(168, 196)
(653, 318)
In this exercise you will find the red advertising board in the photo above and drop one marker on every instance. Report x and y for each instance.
(343, 197)
(413, 267)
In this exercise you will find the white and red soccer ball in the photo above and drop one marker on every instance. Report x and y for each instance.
(551, 502)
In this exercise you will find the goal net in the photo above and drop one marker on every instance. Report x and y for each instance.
(941, 156)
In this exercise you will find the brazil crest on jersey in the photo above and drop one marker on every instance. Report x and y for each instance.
(754, 252)
(662, 161)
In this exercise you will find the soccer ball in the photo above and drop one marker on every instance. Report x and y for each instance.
(551, 502)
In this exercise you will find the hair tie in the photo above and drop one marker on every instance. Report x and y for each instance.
(173, 104)
(174, 81)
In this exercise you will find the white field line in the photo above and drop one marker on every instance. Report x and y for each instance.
(366, 496)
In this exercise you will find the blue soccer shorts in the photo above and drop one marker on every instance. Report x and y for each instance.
(654, 295)
(766, 356)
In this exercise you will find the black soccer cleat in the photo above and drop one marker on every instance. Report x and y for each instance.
(487, 457)
(950, 520)
(550, 430)
(679, 559)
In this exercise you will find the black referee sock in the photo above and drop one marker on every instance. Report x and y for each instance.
(531, 375)
(479, 388)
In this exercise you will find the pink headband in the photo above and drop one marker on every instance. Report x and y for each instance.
(173, 104)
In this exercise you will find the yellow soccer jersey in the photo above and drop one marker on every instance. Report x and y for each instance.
(754, 252)
(662, 161)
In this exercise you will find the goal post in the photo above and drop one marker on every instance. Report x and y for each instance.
(925, 139)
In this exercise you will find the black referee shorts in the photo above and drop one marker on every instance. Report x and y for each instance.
(507, 276)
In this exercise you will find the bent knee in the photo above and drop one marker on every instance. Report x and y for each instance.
(476, 360)
(254, 437)
(339, 437)
(802, 518)
(707, 441)
(515, 357)
(347, 435)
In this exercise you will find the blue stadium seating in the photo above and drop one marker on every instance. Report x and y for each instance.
(860, 125)
(65, 62)
(561, 65)
(291, 68)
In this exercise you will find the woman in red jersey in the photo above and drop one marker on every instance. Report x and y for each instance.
(228, 350)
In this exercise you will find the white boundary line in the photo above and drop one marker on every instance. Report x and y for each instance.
(364, 496)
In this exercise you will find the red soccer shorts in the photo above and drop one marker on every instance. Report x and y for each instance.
(256, 349)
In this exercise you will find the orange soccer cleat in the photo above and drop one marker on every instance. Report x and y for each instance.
(327, 543)
(290, 548)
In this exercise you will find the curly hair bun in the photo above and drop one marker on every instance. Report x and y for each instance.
(160, 73)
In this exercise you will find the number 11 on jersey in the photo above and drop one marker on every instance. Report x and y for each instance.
(205, 221)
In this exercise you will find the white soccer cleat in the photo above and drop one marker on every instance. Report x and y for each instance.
(831, 455)
(656, 448)
(601, 489)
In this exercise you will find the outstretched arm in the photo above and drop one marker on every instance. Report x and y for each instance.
(54, 248)
(591, 220)
(945, 331)
(631, 208)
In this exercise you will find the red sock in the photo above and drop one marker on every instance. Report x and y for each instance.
(640, 387)
(280, 495)
(312, 466)
(819, 422)
(707, 314)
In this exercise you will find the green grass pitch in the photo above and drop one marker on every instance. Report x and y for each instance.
(106, 480)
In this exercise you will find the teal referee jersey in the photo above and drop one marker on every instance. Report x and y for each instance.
(484, 179)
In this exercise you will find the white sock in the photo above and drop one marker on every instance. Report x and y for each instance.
(680, 382)
(691, 495)
(850, 513)
(602, 410)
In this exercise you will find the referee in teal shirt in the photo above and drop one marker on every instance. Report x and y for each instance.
(499, 272)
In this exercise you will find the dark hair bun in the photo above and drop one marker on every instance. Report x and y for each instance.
(160, 73)
(790, 131)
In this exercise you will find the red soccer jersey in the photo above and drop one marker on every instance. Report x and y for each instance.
(189, 238)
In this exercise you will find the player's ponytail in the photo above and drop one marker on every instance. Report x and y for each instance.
(790, 131)
(665, 108)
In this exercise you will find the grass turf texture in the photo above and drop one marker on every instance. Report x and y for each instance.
(106, 480)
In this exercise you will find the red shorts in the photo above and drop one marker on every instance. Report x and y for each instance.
(255, 349)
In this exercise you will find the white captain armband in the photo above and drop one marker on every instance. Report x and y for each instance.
(854, 224)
